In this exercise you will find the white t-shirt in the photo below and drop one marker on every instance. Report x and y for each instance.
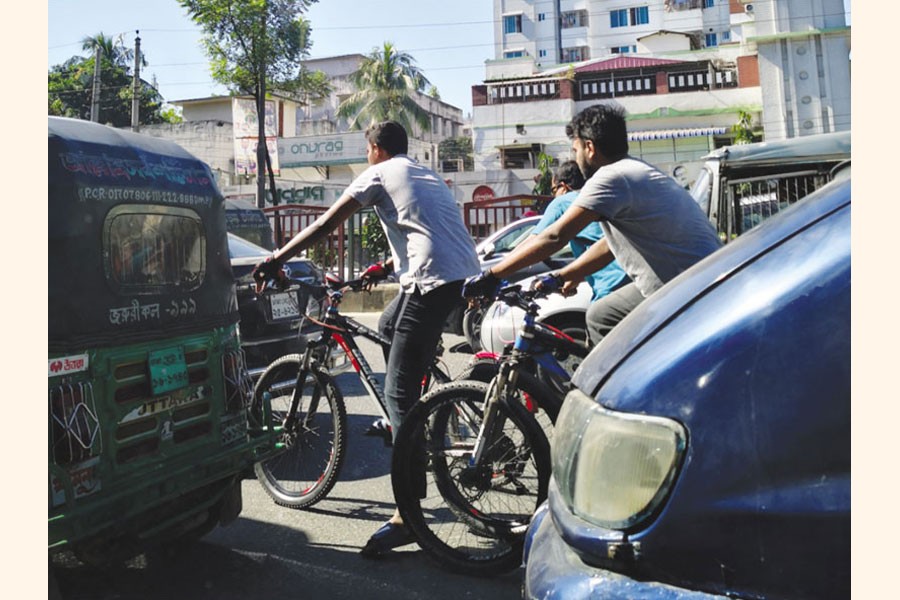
(654, 227)
(423, 224)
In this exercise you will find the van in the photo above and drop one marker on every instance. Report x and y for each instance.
(704, 448)
(149, 433)
(741, 185)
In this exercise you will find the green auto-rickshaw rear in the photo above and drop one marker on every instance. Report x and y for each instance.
(149, 434)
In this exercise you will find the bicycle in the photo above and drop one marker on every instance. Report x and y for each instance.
(308, 408)
(486, 455)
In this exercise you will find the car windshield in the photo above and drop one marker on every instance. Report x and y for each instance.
(238, 247)
(512, 238)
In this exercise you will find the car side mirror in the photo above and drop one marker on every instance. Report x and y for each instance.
(489, 250)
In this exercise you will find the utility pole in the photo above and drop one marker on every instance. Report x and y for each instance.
(95, 92)
(136, 84)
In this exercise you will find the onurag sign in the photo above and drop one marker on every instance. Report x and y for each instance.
(332, 149)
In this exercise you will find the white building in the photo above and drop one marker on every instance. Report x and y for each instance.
(684, 70)
(315, 155)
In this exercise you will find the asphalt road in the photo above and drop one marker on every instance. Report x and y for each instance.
(272, 552)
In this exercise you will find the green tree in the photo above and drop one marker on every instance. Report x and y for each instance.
(70, 87)
(743, 129)
(385, 84)
(457, 148)
(255, 46)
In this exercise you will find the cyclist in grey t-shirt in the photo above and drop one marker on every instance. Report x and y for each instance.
(652, 226)
(432, 253)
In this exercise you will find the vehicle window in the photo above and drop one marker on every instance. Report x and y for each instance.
(512, 238)
(701, 191)
(151, 249)
(239, 247)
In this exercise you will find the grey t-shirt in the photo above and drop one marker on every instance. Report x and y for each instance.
(423, 224)
(654, 227)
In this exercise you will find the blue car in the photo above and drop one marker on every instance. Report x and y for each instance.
(704, 450)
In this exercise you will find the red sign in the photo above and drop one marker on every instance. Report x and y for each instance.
(482, 193)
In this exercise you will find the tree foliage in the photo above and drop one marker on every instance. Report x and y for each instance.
(743, 129)
(250, 42)
(457, 148)
(544, 179)
(385, 84)
(70, 86)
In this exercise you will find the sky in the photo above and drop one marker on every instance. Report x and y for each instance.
(449, 40)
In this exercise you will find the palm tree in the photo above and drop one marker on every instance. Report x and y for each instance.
(385, 83)
(113, 50)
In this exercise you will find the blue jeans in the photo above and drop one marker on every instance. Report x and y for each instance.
(414, 323)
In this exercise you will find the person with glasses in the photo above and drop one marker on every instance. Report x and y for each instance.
(567, 181)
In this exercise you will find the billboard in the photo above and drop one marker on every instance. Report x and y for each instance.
(330, 149)
(246, 132)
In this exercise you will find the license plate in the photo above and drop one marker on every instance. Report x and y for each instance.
(168, 371)
(284, 306)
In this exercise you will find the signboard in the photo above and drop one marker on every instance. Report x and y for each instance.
(331, 149)
(482, 193)
(246, 135)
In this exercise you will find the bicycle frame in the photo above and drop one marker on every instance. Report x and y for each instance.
(536, 341)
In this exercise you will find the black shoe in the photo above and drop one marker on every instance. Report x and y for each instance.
(388, 537)
(381, 428)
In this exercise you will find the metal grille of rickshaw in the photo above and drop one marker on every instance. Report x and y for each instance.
(74, 426)
(160, 420)
(750, 201)
(238, 383)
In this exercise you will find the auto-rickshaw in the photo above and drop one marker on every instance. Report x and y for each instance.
(150, 431)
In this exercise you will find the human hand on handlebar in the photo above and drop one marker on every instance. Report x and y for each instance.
(375, 273)
(270, 270)
(483, 285)
(552, 282)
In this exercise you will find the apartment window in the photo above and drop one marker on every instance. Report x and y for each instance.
(542, 53)
(575, 54)
(618, 18)
(711, 40)
(709, 3)
(542, 16)
(512, 24)
(726, 36)
(514, 54)
(622, 49)
(640, 15)
(574, 18)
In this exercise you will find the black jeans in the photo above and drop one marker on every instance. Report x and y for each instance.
(414, 323)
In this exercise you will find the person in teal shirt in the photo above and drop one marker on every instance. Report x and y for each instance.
(567, 180)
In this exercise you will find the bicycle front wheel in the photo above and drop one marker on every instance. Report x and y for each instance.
(469, 518)
(314, 433)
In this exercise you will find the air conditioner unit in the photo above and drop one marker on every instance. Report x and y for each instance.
(748, 8)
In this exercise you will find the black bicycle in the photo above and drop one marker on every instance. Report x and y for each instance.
(471, 462)
(308, 408)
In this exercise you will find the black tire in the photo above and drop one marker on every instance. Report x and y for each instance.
(467, 522)
(471, 325)
(574, 327)
(316, 443)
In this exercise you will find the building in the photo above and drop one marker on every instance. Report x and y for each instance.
(684, 70)
(313, 152)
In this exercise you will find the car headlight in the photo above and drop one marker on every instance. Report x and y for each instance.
(614, 469)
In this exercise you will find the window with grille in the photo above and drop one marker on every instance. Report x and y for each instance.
(150, 249)
(574, 18)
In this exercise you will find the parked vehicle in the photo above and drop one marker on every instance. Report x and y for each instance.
(246, 220)
(739, 186)
(271, 322)
(705, 449)
(148, 427)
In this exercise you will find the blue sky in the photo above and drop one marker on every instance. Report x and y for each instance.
(449, 40)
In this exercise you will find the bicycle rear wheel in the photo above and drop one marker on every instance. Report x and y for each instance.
(470, 520)
(314, 436)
